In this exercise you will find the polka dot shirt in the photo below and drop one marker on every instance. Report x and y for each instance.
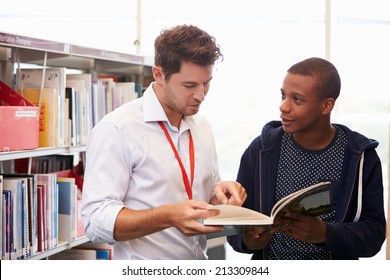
(299, 168)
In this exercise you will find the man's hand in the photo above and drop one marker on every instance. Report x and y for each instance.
(258, 238)
(229, 192)
(186, 217)
(302, 227)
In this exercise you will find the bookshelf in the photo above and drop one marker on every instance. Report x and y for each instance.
(15, 49)
(32, 51)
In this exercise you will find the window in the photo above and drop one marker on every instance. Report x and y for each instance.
(107, 26)
(360, 50)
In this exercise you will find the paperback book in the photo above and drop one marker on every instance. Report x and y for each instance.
(314, 200)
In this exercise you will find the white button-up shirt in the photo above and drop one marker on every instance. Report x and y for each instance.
(130, 163)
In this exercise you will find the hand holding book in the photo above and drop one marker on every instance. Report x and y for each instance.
(314, 200)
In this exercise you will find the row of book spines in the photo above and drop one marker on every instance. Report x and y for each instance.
(73, 105)
(87, 251)
(33, 218)
(44, 164)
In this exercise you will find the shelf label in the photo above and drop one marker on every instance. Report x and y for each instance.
(32, 43)
(106, 55)
(26, 114)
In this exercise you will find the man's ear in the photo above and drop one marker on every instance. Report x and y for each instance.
(328, 105)
(158, 74)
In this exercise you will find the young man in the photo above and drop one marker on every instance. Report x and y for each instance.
(151, 167)
(305, 148)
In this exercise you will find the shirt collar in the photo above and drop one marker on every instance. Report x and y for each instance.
(154, 112)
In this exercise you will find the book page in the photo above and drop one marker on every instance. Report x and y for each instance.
(237, 215)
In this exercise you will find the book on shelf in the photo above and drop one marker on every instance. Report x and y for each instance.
(103, 254)
(99, 101)
(50, 189)
(67, 124)
(83, 84)
(17, 239)
(81, 113)
(100, 254)
(8, 245)
(70, 173)
(123, 92)
(41, 219)
(32, 212)
(47, 113)
(19, 121)
(314, 200)
(103, 250)
(44, 164)
(74, 254)
(54, 78)
(70, 94)
(29, 204)
(67, 197)
(109, 84)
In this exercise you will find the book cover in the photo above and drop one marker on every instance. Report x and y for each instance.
(8, 228)
(81, 117)
(128, 91)
(70, 94)
(41, 215)
(66, 210)
(103, 250)
(103, 254)
(87, 82)
(314, 200)
(33, 214)
(16, 186)
(68, 125)
(47, 113)
(19, 121)
(74, 254)
(109, 85)
(53, 78)
(30, 211)
(48, 181)
(99, 101)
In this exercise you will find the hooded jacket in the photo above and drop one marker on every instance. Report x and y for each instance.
(360, 225)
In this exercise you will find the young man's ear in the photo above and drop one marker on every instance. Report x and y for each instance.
(158, 74)
(328, 105)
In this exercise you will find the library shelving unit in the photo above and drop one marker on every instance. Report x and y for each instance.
(15, 49)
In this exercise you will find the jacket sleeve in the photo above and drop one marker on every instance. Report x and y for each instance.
(364, 237)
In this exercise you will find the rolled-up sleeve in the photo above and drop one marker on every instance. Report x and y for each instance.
(106, 181)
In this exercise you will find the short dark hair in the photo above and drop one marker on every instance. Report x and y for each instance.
(184, 43)
(325, 73)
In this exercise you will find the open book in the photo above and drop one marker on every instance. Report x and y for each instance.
(314, 201)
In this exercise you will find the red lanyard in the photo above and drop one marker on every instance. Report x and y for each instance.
(187, 184)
